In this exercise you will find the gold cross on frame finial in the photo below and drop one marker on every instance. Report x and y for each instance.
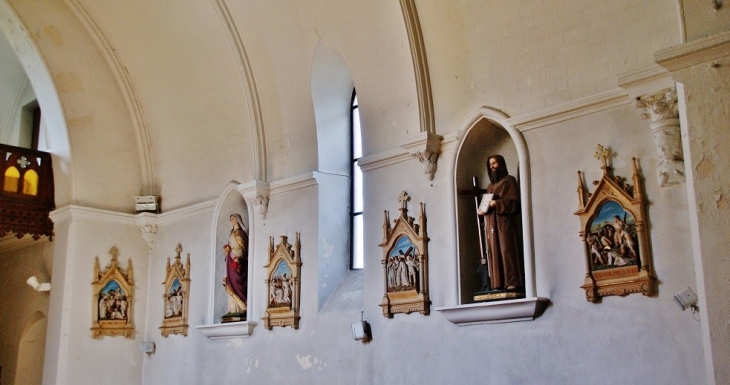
(114, 252)
(403, 198)
(602, 154)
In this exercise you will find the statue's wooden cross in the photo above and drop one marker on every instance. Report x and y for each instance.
(476, 192)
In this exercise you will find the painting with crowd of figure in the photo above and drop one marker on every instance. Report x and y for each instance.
(405, 262)
(113, 300)
(176, 296)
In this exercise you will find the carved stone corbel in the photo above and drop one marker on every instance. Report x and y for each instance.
(147, 224)
(425, 146)
(663, 111)
(257, 195)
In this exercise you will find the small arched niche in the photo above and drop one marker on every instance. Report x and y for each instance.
(31, 350)
(230, 202)
(488, 133)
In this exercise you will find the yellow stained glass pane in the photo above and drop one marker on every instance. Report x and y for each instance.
(11, 180)
(30, 183)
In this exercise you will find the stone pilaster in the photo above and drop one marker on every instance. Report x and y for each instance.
(426, 147)
(661, 108)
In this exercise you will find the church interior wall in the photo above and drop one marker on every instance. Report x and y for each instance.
(83, 357)
(190, 89)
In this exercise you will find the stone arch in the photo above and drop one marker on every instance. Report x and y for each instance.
(47, 95)
(487, 132)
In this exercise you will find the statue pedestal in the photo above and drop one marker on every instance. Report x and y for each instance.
(233, 317)
(497, 295)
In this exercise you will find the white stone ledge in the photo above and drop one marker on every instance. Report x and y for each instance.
(526, 309)
(242, 329)
(571, 110)
(695, 52)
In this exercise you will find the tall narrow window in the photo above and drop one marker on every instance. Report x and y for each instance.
(356, 201)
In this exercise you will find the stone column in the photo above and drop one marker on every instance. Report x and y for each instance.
(661, 108)
(702, 70)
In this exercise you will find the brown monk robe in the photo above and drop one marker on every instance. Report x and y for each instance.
(503, 228)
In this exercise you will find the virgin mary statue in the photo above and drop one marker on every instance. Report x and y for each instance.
(236, 280)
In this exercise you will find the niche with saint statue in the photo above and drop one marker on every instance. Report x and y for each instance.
(232, 260)
(490, 212)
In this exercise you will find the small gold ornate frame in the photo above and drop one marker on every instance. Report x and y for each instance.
(282, 284)
(176, 297)
(613, 230)
(405, 262)
(112, 306)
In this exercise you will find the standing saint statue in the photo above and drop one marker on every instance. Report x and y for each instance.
(503, 229)
(236, 280)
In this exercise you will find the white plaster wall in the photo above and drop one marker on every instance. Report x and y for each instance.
(84, 359)
(524, 57)
(702, 19)
(635, 323)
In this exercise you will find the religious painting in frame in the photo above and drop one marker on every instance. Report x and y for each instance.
(405, 262)
(283, 284)
(613, 231)
(113, 300)
(176, 297)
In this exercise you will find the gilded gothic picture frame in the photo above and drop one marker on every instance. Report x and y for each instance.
(613, 231)
(112, 305)
(283, 272)
(176, 297)
(405, 262)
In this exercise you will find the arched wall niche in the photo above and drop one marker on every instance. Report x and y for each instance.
(29, 367)
(230, 202)
(488, 133)
(47, 95)
(332, 88)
